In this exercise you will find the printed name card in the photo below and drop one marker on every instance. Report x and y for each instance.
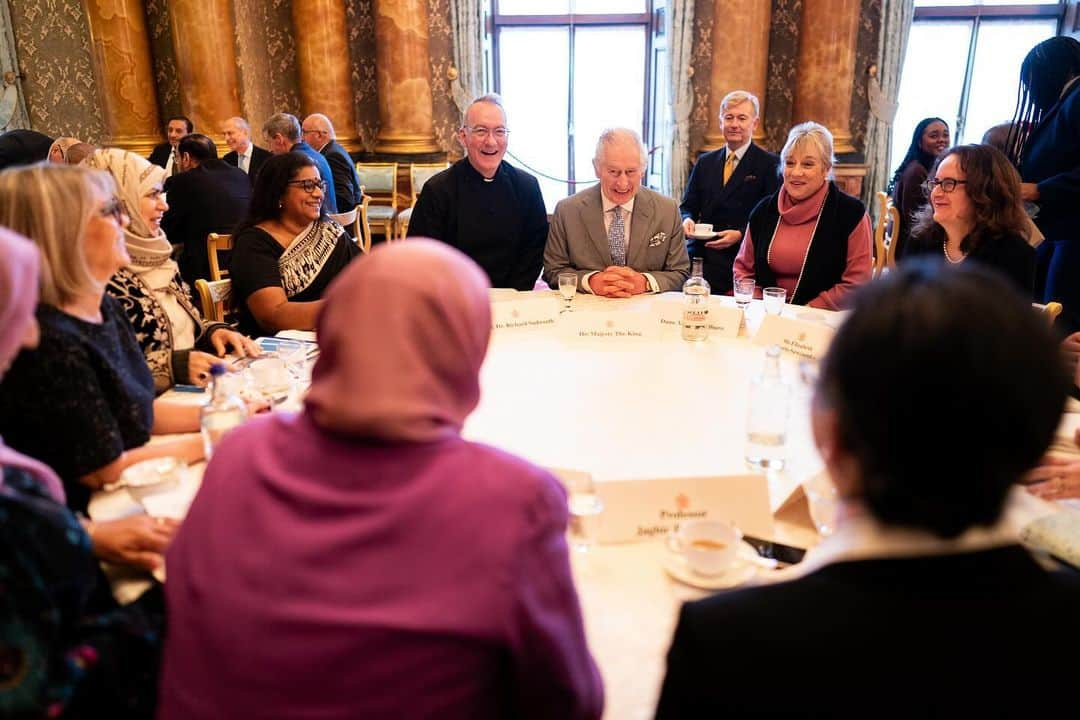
(643, 509)
(528, 313)
(724, 320)
(800, 337)
(617, 326)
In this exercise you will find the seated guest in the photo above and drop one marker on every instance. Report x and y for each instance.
(372, 506)
(243, 154)
(58, 151)
(319, 134)
(79, 152)
(811, 238)
(69, 650)
(149, 289)
(208, 196)
(975, 213)
(82, 401)
(724, 187)
(922, 602)
(23, 147)
(282, 133)
(286, 252)
(485, 207)
(164, 154)
(930, 139)
(620, 238)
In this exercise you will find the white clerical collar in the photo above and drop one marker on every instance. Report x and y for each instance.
(627, 206)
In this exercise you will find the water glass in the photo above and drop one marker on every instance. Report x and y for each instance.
(744, 292)
(774, 298)
(568, 282)
(823, 501)
(585, 509)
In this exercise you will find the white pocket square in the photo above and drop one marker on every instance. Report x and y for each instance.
(657, 239)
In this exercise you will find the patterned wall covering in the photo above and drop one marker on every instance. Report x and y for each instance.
(52, 40)
(360, 19)
(163, 60)
(446, 116)
(266, 54)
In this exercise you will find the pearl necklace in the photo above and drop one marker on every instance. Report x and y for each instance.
(945, 249)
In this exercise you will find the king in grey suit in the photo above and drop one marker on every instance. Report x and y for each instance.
(579, 235)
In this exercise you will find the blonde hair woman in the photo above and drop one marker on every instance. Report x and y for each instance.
(810, 238)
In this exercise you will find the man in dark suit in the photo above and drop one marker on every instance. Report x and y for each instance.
(245, 154)
(922, 603)
(23, 147)
(208, 196)
(724, 187)
(282, 133)
(318, 132)
(164, 155)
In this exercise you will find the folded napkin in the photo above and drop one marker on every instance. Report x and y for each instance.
(1057, 535)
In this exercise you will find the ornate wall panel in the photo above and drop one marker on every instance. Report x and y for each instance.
(52, 39)
(164, 58)
(266, 55)
(445, 115)
(360, 19)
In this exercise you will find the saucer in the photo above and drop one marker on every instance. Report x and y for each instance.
(704, 236)
(740, 571)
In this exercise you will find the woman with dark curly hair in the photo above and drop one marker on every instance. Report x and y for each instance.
(930, 139)
(975, 213)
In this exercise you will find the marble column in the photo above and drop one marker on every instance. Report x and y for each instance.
(121, 51)
(322, 55)
(203, 38)
(740, 59)
(825, 74)
(404, 82)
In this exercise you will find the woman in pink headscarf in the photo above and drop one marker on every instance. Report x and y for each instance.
(361, 559)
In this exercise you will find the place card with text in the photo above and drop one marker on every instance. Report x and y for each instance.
(608, 327)
(529, 312)
(801, 337)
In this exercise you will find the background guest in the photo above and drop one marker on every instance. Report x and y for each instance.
(286, 251)
(922, 576)
(352, 534)
(930, 139)
(282, 133)
(149, 288)
(164, 154)
(810, 238)
(319, 133)
(243, 153)
(58, 151)
(975, 213)
(22, 147)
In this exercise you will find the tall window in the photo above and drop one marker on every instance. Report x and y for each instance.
(963, 64)
(567, 69)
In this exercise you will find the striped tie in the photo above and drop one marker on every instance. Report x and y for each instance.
(617, 238)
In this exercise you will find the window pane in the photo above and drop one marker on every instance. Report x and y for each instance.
(601, 99)
(595, 7)
(999, 50)
(939, 3)
(533, 7)
(535, 95)
(661, 108)
(932, 79)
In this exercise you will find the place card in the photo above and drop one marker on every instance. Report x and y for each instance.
(525, 313)
(800, 337)
(608, 327)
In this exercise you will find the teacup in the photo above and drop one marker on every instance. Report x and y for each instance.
(709, 546)
(152, 476)
(703, 229)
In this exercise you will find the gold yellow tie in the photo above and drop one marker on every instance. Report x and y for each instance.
(729, 166)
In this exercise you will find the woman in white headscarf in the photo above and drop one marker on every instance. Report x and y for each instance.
(170, 330)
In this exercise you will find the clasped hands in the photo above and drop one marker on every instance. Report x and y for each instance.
(618, 281)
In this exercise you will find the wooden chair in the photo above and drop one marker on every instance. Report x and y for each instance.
(419, 173)
(1050, 309)
(379, 180)
(356, 219)
(888, 222)
(214, 296)
(214, 244)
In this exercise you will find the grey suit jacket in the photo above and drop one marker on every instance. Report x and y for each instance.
(578, 242)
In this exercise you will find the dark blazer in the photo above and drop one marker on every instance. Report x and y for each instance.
(329, 197)
(1008, 254)
(962, 635)
(346, 180)
(258, 157)
(727, 207)
(160, 154)
(213, 197)
(22, 147)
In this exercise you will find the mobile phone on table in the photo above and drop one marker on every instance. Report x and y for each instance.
(783, 554)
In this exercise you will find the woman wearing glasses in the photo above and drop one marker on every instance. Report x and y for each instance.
(170, 330)
(930, 139)
(287, 251)
(975, 213)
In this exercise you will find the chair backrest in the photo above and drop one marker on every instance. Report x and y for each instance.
(214, 297)
(380, 182)
(420, 173)
(893, 228)
(215, 243)
(356, 219)
(888, 222)
(344, 219)
(1050, 309)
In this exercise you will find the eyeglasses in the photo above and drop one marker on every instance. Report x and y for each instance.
(314, 132)
(115, 210)
(481, 133)
(309, 186)
(947, 184)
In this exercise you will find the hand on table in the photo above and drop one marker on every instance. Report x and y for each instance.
(137, 540)
(1029, 191)
(725, 238)
(618, 281)
(242, 346)
(1055, 478)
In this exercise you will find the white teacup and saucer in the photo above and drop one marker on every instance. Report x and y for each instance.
(709, 554)
(703, 231)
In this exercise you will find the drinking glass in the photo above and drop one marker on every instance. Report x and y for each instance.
(823, 501)
(567, 288)
(585, 508)
(774, 298)
(744, 292)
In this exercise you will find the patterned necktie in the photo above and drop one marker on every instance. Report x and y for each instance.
(617, 237)
(244, 163)
(729, 166)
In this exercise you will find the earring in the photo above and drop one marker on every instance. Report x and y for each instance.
(281, 205)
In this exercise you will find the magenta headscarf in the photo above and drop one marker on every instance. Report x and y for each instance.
(402, 337)
(19, 265)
